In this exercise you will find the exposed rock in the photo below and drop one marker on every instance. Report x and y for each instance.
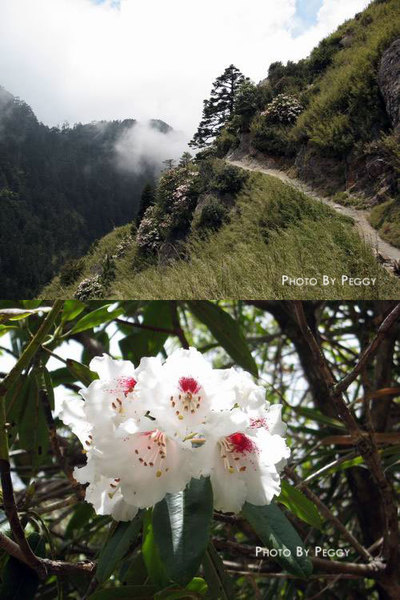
(323, 172)
(389, 81)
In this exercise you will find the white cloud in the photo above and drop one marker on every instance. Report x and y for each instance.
(77, 61)
(144, 146)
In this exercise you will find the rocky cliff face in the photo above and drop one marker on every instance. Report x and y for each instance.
(389, 81)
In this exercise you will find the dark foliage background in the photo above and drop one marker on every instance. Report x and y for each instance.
(60, 190)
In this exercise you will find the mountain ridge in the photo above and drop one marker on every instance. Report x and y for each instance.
(60, 190)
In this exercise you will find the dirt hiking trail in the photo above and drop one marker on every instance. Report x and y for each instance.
(385, 252)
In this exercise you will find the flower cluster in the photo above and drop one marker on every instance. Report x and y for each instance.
(148, 431)
(283, 110)
(92, 287)
(148, 237)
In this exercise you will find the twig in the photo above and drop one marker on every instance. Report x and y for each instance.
(45, 565)
(325, 512)
(177, 325)
(387, 324)
(365, 444)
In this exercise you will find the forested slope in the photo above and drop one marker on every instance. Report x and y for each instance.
(60, 189)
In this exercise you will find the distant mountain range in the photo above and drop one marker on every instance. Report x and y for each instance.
(60, 190)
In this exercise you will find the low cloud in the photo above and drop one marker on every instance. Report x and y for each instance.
(143, 147)
(78, 60)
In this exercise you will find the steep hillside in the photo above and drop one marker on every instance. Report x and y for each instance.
(263, 231)
(60, 189)
(334, 117)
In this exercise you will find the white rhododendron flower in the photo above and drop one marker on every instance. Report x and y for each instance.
(148, 431)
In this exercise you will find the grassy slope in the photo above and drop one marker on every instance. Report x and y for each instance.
(346, 100)
(275, 230)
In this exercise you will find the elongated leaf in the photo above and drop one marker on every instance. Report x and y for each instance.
(97, 317)
(181, 525)
(276, 532)
(71, 310)
(220, 586)
(33, 430)
(81, 372)
(16, 314)
(148, 342)
(226, 331)
(300, 505)
(117, 546)
(83, 513)
(151, 556)
(139, 592)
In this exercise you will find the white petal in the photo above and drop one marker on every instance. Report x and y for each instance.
(73, 415)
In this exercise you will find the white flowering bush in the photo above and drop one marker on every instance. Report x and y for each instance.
(283, 109)
(148, 431)
(91, 287)
(148, 237)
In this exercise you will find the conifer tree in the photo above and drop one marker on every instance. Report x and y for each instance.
(147, 199)
(219, 107)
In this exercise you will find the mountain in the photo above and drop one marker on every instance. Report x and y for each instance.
(333, 119)
(330, 121)
(226, 234)
(60, 190)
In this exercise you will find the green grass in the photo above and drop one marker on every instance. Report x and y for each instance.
(274, 230)
(346, 105)
(386, 219)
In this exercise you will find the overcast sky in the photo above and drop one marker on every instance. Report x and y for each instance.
(84, 60)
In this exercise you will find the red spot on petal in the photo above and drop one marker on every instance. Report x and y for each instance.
(241, 443)
(257, 423)
(188, 384)
(127, 384)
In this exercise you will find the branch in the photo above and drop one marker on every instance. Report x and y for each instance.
(45, 565)
(177, 325)
(6, 483)
(387, 324)
(325, 512)
(365, 444)
(31, 349)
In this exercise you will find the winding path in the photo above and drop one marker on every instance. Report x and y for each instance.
(385, 252)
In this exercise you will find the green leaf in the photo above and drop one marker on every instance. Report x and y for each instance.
(95, 318)
(198, 585)
(139, 592)
(300, 505)
(71, 310)
(144, 342)
(151, 556)
(81, 372)
(117, 546)
(18, 580)
(181, 525)
(226, 331)
(220, 585)
(317, 416)
(16, 314)
(33, 430)
(276, 532)
(83, 513)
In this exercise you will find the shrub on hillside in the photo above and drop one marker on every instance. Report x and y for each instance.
(148, 237)
(71, 270)
(283, 110)
(212, 215)
(90, 288)
(227, 179)
(226, 141)
(272, 139)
